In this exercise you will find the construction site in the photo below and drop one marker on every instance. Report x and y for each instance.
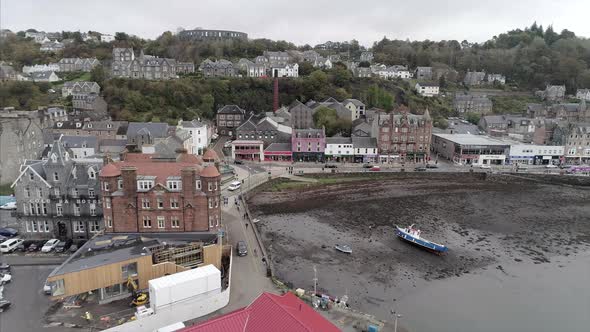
(488, 222)
(102, 283)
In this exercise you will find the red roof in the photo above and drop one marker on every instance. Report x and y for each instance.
(148, 167)
(269, 312)
(210, 172)
(210, 155)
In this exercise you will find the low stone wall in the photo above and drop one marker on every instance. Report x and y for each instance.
(581, 181)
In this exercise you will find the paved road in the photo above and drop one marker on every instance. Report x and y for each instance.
(28, 301)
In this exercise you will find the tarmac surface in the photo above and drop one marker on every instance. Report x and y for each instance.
(487, 224)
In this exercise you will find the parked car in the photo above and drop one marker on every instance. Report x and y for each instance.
(4, 268)
(35, 246)
(47, 289)
(24, 245)
(235, 185)
(375, 169)
(331, 166)
(241, 248)
(431, 166)
(238, 162)
(550, 166)
(367, 166)
(8, 232)
(485, 167)
(73, 248)
(8, 206)
(49, 245)
(5, 278)
(227, 144)
(10, 245)
(4, 304)
(420, 169)
(62, 246)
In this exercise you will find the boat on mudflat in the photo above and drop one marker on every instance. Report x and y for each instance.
(345, 248)
(412, 235)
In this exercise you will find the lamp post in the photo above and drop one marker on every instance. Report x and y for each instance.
(397, 316)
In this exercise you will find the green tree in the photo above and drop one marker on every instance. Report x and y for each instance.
(98, 75)
(472, 117)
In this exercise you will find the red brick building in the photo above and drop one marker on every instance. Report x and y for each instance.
(141, 194)
(404, 134)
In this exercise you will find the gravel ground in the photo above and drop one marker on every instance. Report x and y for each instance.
(485, 223)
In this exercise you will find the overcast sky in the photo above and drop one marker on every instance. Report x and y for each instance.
(301, 21)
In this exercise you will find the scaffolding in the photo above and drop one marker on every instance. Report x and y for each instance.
(189, 256)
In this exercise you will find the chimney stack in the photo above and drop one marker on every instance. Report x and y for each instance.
(275, 99)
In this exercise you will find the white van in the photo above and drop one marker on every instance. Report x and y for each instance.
(234, 185)
(9, 245)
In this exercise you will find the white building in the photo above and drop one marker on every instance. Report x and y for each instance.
(396, 71)
(583, 94)
(339, 148)
(427, 89)
(288, 70)
(44, 76)
(355, 106)
(491, 78)
(535, 154)
(365, 149)
(107, 38)
(199, 136)
(38, 68)
(256, 70)
(39, 37)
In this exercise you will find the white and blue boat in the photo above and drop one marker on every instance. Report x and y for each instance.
(412, 235)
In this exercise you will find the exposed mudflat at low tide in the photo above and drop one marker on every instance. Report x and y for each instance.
(490, 226)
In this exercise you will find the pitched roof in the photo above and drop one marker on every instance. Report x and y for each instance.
(269, 312)
(155, 129)
(231, 109)
(364, 142)
(274, 147)
(338, 140)
(160, 169)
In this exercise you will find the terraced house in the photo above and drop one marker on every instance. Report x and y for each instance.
(59, 197)
(150, 67)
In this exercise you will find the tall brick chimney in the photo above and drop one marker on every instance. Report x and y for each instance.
(275, 97)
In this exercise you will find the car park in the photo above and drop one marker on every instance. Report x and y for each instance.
(23, 246)
(35, 246)
(63, 246)
(50, 245)
(235, 185)
(8, 232)
(241, 248)
(10, 245)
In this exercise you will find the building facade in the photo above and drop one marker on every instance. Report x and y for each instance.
(427, 89)
(577, 146)
(59, 197)
(403, 134)
(308, 144)
(144, 195)
(70, 88)
(229, 118)
(526, 154)
(204, 34)
(199, 132)
(467, 149)
(472, 104)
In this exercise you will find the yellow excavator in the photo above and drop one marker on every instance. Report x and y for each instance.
(138, 298)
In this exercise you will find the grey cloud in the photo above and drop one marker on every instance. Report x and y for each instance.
(303, 21)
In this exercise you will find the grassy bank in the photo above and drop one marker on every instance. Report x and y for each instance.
(6, 190)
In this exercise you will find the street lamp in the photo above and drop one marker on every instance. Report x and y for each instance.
(397, 316)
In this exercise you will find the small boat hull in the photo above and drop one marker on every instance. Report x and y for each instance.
(422, 243)
(344, 248)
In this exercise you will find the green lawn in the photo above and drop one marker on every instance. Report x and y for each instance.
(5, 190)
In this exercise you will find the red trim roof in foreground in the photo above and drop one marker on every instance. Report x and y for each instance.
(269, 312)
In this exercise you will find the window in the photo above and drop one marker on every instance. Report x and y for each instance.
(210, 203)
(147, 222)
(79, 227)
(199, 184)
(57, 287)
(34, 226)
(55, 176)
(27, 193)
(44, 208)
(174, 222)
(39, 192)
(161, 222)
(90, 192)
(108, 221)
(174, 185)
(129, 270)
(93, 209)
(44, 226)
(58, 209)
(145, 185)
(75, 192)
(105, 186)
(210, 186)
(31, 176)
(145, 203)
(94, 226)
(56, 191)
(173, 203)
(160, 203)
(119, 184)
(107, 202)
(77, 209)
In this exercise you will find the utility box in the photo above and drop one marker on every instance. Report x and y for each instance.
(179, 287)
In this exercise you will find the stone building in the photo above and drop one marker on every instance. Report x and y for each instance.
(21, 138)
(577, 145)
(472, 104)
(301, 115)
(404, 134)
(219, 68)
(90, 103)
(77, 64)
(308, 144)
(126, 64)
(144, 195)
(229, 118)
(59, 197)
(204, 34)
(266, 130)
(70, 88)
(104, 130)
(474, 78)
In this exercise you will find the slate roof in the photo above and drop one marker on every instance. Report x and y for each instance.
(364, 142)
(356, 102)
(276, 147)
(41, 75)
(80, 141)
(338, 140)
(192, 124)
(231, 109)
(155, 129)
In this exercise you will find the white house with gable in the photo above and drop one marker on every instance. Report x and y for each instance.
(199, 135)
